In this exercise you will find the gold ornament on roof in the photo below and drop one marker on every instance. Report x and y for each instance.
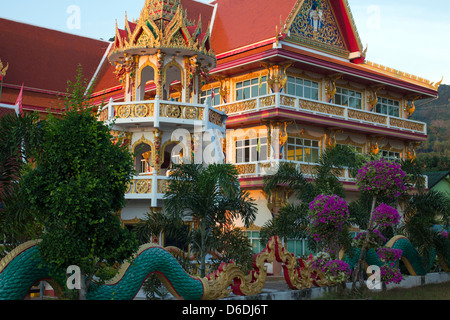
(3, 70)
(162, 25)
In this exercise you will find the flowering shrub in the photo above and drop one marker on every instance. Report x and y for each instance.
(385, 215)
(389, 254)
(376, 239)
(328, 214)
(389, 274)
(444, 234)
(381, 177)
(320, 260)
(337, 271)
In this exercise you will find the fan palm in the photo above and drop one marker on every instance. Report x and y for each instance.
(18, 139)
(423, 213)
(324, 180)
(210, 195)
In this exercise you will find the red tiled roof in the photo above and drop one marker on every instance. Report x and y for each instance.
(242, 22)
(46, 59)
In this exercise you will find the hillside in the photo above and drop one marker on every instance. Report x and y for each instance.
(434, 155)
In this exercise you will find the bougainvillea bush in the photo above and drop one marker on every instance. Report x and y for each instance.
(385, 216)
(376, 239)
(336, 271)
(327, 213)
(328, 216)
(381, 177)
(389, 255)
(390, 274)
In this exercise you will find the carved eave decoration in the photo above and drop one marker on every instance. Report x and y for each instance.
(153, 33)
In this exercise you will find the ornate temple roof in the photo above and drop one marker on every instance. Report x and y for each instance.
(163, 25)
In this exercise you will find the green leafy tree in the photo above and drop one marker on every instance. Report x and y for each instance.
(210, 195)
(77, 185)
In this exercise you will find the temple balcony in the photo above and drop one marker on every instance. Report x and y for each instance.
(283, 106)
(161, 113)
(147, 187)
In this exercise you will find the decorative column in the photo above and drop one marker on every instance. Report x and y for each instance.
(159, 77)
(157, 138)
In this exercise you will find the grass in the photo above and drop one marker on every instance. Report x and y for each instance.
(439, 291)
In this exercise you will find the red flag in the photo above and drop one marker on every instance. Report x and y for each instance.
(19, 101)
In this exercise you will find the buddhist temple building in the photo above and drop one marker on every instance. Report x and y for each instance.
(261, 82)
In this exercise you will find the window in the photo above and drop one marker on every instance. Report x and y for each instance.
(254, 238)
(357, 149)
(251, 150)
(388, 107)
(391, 156)
(303, 150)
(143, 158)
(250, 88)
(206, 96)
(299, 247)
(348, 98)
(302, 88)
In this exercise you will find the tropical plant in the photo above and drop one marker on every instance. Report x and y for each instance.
(211, 195)
(324, 176)
(75, 189)
(292, 220)
(329, 222)
(426, 215)
(383, 180)
(18, 138)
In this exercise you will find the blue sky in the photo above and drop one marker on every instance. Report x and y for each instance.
(408, 35)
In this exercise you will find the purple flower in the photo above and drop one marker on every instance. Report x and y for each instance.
(328, 214)
(336, 271)
(381, 177)
(389, 254)
(385, 215)
(390, 274)
(376, 239)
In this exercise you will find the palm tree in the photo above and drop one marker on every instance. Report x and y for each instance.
(292, 219)
(426, 215)
(18, 139)
(210, 195)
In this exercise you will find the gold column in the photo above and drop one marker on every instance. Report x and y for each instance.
(159, 77)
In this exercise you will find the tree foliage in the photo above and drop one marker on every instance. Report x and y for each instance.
(76, 188)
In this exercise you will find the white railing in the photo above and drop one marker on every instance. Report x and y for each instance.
(270, 167)
(155, 112)
(149, 187)
(285, 101)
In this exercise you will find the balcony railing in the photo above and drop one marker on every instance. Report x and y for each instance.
(148, 187)
(155, 112)
(270, 167)
(285, 101)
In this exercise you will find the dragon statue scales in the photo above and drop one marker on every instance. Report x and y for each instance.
(22, 268)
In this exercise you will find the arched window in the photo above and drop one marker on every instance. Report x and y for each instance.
(143, 159)
(173, 154)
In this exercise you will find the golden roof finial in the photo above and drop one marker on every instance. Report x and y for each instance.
(3, 70)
